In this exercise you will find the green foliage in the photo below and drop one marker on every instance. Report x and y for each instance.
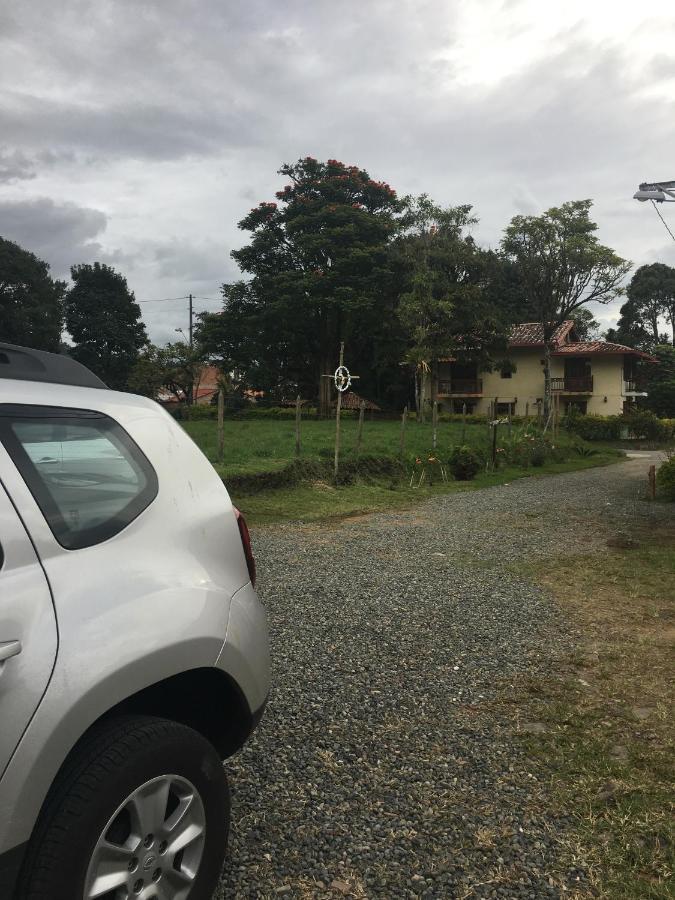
(176, 367)
(528, 447)
(147, 375)
(642, 423)
(651, 295)
(318, 271)
(31, 302)
(594, 428)
(352, 469)
(665, 479)
(659, 382)
(639, 423)
(586, 325)
(104, 322)
(465, 462)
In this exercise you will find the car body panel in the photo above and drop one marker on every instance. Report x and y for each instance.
(245, 654)
(27, 629)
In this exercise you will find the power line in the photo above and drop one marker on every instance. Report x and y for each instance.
(663, 220)
(162, 299)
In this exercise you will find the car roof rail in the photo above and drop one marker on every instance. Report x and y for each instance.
(26, 364)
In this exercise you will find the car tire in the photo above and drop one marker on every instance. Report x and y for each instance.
(98, 819)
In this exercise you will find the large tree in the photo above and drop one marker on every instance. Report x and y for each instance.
(444, 307)
(659, 382)
(31, 302)
(104, 322)
(563, 267)
(318, 272)
(651, 298)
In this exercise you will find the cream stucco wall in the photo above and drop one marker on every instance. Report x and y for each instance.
(526, 384)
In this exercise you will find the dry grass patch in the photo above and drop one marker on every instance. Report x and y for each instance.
(607, 734)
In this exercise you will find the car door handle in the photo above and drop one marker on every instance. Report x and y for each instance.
(9, 649)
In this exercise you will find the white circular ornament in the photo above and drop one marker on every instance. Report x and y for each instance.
(342, 378)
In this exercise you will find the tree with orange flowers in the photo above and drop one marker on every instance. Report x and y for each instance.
(317, 270)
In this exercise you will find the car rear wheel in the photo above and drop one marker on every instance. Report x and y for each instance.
(140, 812)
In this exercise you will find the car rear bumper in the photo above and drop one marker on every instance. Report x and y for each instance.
(245, 655)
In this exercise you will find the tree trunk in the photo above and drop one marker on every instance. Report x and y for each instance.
(547, 380)
(420, 405)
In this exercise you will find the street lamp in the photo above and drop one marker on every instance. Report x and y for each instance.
(656, 191)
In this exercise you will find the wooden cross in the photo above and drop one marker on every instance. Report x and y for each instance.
(342, 378)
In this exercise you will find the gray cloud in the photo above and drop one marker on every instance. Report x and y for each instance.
(173, 116)
(62, 234)
(15, 166)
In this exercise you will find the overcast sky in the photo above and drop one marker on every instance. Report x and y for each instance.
(139, 133)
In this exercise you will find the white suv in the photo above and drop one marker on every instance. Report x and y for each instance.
(133, 648)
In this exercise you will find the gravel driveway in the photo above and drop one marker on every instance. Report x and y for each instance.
(381, 768)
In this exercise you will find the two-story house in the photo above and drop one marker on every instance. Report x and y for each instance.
(592, 376)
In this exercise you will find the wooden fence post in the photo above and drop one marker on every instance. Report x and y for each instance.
(652, 482)
(359, 429)
(494, 445)
(298, 414)
(463, 422)
(434, 419)
(527, 411)
(221, 424)
(403, 422)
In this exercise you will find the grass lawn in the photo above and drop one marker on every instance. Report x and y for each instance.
(258, 445)
(609, 742)
(263, 445)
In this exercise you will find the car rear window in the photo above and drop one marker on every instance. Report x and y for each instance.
(89, 478)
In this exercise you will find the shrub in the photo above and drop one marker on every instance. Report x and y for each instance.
(594, 428)
(665, 479)
(642, 423)
(464, 463)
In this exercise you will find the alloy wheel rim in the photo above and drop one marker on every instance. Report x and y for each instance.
(152, 845)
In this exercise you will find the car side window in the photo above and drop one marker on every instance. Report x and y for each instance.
(87, 475)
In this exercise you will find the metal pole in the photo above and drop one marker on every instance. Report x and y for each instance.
(434, 419)
(190, 327)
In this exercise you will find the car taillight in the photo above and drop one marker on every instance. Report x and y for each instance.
(246, 544)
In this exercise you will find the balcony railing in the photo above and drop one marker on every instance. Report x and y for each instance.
(460, 386)
(573, 384)
(634, 386)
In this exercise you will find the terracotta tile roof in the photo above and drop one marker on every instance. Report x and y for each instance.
(583, 347)
(531, 334)
(350, 400)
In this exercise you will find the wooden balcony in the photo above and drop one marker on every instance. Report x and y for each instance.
(461, 387)
(573, 384)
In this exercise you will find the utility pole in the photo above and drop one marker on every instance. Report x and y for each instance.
(190, 328)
